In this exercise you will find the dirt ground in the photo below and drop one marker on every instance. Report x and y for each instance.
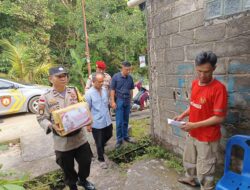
(31, 151)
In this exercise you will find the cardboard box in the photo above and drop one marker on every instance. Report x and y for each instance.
(72, 118)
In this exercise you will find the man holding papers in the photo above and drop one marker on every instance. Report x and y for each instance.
(207, 110)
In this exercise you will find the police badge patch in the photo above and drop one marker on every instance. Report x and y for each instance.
(5, 100)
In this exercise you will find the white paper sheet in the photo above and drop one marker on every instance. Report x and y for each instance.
(175, 123)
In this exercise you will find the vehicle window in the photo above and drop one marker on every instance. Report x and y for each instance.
(5, 85)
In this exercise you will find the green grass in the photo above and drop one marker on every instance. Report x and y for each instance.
(145, 148)
(140, 128)
(51, 180)
(170, 159)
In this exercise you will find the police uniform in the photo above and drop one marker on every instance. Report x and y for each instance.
(72, 147)
(53, 100)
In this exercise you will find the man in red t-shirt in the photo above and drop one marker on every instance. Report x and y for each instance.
(207, 110)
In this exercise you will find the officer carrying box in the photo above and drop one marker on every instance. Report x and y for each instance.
(73, 146)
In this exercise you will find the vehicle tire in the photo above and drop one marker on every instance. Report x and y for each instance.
(33, 104)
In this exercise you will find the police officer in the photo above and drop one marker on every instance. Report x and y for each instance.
(74, 146)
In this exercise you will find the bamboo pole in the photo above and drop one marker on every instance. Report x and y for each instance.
(86, 38)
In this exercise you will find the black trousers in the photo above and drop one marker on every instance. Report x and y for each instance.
(101, 137)
(65, 160)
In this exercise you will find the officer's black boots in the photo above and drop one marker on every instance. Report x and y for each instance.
(86, 184)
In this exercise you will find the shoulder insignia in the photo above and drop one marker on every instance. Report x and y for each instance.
(47, 92)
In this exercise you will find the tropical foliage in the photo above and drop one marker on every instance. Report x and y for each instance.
(13, 182)
(22, 64)
(36, 34)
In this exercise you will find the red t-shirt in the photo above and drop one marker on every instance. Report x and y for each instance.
(207, 101)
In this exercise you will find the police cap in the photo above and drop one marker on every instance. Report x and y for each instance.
(57, 71)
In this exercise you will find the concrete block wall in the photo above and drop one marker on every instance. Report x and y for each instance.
(177, 32)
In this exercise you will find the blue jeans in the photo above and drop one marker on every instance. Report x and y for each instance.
(122, 119)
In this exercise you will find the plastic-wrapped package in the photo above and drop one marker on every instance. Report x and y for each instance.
(72, 118)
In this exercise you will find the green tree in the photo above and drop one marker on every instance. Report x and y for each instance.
(22, 66)
(27, 22)
(115, 32)
(78, 71)
(50, 29)
(119, 33)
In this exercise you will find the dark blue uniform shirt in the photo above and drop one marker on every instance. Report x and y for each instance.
(122, 86)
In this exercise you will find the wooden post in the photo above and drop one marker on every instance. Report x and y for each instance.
(86, 38)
